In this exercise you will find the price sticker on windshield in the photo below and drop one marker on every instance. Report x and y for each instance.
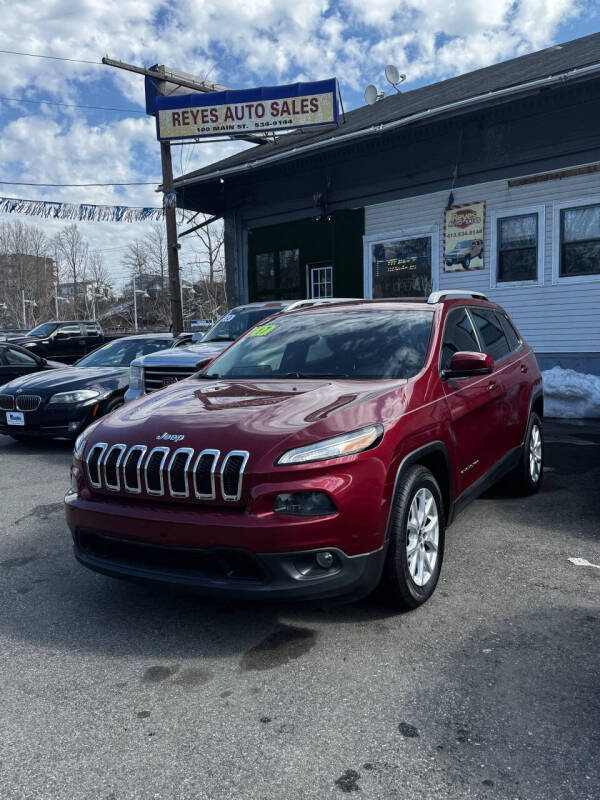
(263, 330)
(228, 317)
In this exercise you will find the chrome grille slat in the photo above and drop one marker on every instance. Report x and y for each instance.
(7, 402)
(148, 464)
(27, 402)
(111, 464)
(187, 453)
(93, 462)
(204, 457)
(137, 448)
(241, 457)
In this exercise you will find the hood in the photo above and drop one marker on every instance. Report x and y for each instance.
(263, 417)
(66, 378)
(183, 356)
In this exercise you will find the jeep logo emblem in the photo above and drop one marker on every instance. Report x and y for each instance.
(170, 437)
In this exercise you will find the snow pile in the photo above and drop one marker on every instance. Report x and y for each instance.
(570, 394)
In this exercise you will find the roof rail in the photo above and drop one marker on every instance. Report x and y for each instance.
(451, 294)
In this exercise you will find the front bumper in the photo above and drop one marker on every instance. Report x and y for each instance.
(50, 422)
(231, 572)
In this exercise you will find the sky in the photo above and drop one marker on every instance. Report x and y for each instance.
(238, 43)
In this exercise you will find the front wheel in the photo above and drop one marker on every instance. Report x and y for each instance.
(416, 546)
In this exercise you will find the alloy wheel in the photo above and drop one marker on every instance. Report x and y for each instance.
(423, 530)
(535, 454)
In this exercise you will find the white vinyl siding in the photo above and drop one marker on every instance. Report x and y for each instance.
(553, 318)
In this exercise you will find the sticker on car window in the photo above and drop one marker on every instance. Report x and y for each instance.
(228, 318)
(263, 330)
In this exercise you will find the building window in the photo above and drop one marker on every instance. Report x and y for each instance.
(517, 256)
(401, 267)
(289, 271)
(265, 275)
(579, 241)
(321, 281)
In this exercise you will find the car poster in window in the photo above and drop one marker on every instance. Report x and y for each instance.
(463, 237)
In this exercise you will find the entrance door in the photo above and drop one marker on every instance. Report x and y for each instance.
(320, 281)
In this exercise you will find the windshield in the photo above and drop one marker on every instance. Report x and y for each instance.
(235, 323)
(462, 245)
(359, 344)
(121, 352)
(43, 330)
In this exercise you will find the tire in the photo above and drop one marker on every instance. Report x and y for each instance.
(527, 477)
(401, 580)
(116, 402)
(467, 262)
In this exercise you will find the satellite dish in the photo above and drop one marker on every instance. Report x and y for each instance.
(392, 74)
(371, 94)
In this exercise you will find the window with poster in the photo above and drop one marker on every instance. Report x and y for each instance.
(400, 266)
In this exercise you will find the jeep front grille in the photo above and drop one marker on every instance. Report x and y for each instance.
(159, 377)
(161, 472)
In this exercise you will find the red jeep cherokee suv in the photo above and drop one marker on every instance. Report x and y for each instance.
(323, 453)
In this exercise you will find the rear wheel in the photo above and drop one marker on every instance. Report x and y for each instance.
(416, 547)
(527, 477)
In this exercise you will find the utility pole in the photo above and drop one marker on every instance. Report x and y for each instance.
(170, 82)
(135, 305)
(172, 243)
(56, 299)
(23, 303)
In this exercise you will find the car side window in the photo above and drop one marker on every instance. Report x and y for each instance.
(514, 340)
(69, 330)
(15, 358)
(492, 333)
(459, 336)
(92, 330)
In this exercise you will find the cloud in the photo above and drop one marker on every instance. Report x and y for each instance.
(235, 43)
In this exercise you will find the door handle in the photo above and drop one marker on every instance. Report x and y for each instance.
(492, 386)
(523, 368)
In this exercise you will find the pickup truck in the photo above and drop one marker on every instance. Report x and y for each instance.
(66, 341)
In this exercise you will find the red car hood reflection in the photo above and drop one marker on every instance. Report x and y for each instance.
(250, 415)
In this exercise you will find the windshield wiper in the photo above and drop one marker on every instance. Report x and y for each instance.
(313, 375)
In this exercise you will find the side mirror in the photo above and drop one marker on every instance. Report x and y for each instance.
(43, 361)
(203, 363)
(469, 364)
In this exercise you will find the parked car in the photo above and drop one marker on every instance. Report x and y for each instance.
(163, 369)
(322, 454)
(8, 334)
(16, 361)
(65, 341)
(464, 252)
(62, 402)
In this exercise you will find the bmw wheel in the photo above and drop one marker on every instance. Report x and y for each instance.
(416, 545)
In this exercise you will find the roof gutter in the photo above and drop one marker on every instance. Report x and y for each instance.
(383, 127)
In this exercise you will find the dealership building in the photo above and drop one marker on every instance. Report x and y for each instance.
(489, 181)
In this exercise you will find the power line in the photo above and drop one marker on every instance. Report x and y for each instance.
(81, 185)
(53, 58)
(72, 105)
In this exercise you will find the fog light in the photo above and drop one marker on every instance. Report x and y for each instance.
(325, 559)
(73, 426)
(304, 504)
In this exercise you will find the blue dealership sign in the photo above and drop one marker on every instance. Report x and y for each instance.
(242, 111)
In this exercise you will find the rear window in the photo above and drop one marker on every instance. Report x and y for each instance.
(359, 345)
(492, 334)
(234, 324)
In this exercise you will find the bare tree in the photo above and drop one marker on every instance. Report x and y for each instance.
(72, 254)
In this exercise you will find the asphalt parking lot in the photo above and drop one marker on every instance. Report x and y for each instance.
(491, 690)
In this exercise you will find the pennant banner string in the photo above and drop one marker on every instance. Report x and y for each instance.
(85, 212)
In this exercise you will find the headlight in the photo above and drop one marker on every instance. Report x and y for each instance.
(136, 378)
(345, 445)
(68, 398)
